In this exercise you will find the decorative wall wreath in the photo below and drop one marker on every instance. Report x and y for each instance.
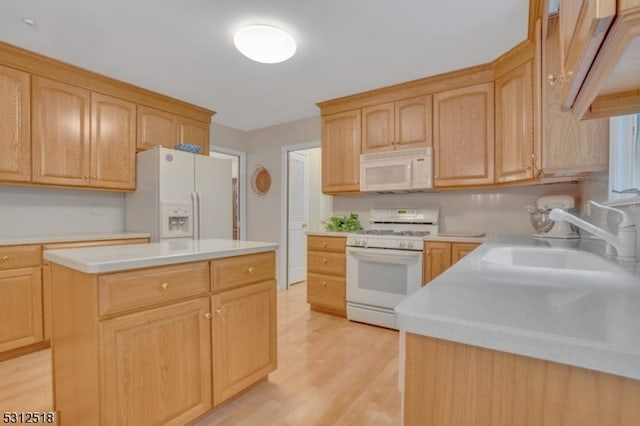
(260, 180)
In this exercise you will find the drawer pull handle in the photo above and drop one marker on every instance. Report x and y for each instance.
(207, 316)
(324, 283)
(250, 270)
(165, 286)
(324, 261)
(219, 311)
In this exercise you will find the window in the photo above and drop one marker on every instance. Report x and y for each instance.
(624, 158)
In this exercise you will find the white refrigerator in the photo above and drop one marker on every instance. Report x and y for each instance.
(180, 195)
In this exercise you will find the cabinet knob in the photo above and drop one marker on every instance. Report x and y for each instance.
(428, 252)
(324, 283)
(207, 315)
(94, 177)
(5, 258)
(165, 286)
(85, 177)
(219, 311)
(324, 261)
(250, 270)
(324, 244)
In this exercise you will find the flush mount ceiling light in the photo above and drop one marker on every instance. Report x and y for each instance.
(265, 44)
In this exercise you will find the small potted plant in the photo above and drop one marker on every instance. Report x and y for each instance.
(343, 223)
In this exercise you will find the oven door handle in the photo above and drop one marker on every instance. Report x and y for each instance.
(385, 255)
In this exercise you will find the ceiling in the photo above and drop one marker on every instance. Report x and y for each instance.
(184, 48)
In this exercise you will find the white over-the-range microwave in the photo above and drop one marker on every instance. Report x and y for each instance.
(397, 171)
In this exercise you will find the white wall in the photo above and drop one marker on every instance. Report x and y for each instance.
(32, 211)
(227, 137)
(493, 211)
(264, 147)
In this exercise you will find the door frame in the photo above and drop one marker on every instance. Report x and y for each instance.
(283, 280)
(242, 187)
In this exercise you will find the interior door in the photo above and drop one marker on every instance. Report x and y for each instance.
(298, 217)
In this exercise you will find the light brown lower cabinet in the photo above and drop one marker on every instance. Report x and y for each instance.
(452, 384)
(441, 255)
(156, 365)
(174, 349)
(326, 274)
(244, 338)
(20, 308)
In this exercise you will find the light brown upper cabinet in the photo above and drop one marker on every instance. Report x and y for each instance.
(113, 142)
(463, 140)
(15, 136)
(599, 48)
(569, 147)
(61, 133)
(82, 138)
(193, 132)
(397, 125)
(341, 140)
(155, 127)
(514, 124)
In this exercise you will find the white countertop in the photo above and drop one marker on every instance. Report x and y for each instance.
(95, 260)
(63, 238)
(455, 237)
(328, 234)
(588, 319)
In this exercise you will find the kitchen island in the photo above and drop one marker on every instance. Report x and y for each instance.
(519, 333)
(160, 333)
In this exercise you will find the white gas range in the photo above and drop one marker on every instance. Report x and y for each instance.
(384, 263)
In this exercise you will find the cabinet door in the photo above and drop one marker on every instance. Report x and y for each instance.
(437, 259)
(568, 145)
(244, 338)
(194, 132)
(583, 27)
(514, 125)
(20, 308)
(463, 136)
(170, 387)
(61, 133)
(155, 127)
(113, 142)
(341, 152)
(378, 128)
(15, 116)
(460, 250)
(414, 122)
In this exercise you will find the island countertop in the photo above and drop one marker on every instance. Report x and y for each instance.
(94, 260)
(588, 319)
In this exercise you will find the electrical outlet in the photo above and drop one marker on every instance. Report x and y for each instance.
(99, 211)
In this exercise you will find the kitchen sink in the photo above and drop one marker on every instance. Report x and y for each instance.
(550, 259)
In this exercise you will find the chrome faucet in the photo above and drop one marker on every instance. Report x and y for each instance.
(624, 242)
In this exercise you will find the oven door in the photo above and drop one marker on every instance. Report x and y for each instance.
(382, 277)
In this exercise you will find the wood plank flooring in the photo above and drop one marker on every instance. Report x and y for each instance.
(330, 372)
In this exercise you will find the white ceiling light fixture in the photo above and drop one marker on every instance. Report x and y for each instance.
(265, 44)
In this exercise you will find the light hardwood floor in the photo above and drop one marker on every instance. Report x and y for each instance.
(330, 372)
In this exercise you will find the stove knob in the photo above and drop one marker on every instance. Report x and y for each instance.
(402, 244)
(410, 244)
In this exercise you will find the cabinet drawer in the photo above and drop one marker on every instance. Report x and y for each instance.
(333, 244)
(326, 263)
(19, 256)
(125, 291)
(326, 291)
(236, 271)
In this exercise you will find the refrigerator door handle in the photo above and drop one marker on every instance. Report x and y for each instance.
(195, 201)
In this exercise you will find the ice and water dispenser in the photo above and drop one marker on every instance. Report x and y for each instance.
(177, 220)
